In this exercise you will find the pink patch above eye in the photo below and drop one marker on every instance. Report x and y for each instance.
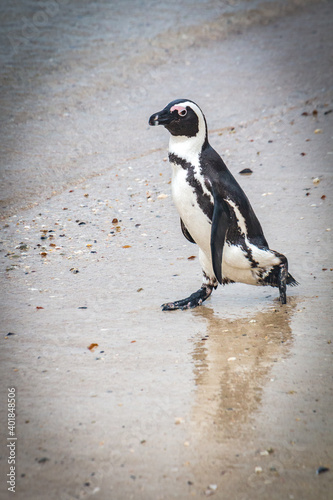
(177, 108)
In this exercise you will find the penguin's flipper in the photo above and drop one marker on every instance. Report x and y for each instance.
(185, 232)
(220, 224)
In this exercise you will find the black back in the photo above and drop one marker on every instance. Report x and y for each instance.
(225, 186)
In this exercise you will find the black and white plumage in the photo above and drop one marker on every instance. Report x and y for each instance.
(214, 211)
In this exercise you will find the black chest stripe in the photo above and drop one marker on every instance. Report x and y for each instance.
(203, 199)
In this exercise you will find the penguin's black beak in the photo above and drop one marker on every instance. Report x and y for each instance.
(163, 117)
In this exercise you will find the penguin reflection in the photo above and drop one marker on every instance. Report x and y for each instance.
(232, 365)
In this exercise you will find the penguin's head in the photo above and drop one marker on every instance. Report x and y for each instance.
(182, 118)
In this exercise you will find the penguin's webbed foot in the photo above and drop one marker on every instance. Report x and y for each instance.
(194, 300)
(282, 280)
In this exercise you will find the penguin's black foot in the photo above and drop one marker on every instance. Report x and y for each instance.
(194, 300)
(283, 274)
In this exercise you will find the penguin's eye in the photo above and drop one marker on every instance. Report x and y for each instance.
(183, 112)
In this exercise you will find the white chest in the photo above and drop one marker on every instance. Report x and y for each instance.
(186, 201)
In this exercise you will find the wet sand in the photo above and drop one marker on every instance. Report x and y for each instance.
(232, 399)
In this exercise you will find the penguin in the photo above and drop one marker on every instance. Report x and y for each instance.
(214, 211)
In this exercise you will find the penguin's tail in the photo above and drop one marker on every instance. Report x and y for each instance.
(291, 280)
